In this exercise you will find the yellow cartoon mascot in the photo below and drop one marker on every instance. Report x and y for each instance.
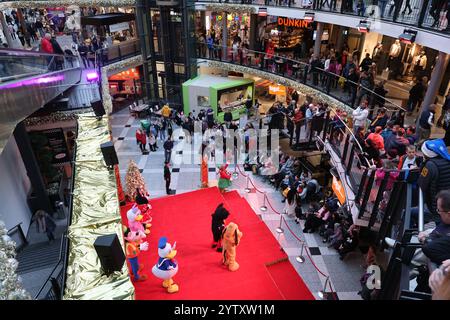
(230, 239)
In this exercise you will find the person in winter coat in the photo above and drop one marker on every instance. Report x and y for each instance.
(46, 224)
(141, 140)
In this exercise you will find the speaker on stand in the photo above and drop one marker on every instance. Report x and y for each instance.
(110, 253)
(109, 154)
(98, 108)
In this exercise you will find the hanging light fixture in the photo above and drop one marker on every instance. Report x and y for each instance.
(262, 12)
(408, 36)
(363, 26)
(309, 16)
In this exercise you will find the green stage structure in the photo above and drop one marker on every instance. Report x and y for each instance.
(219, 94)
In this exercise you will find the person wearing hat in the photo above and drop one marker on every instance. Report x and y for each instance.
(435, 173)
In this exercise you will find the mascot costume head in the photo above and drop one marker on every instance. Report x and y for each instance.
(217, 225)
(230, 240)
(166, 267)
(135, 223)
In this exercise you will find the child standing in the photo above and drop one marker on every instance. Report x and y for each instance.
(152, 142)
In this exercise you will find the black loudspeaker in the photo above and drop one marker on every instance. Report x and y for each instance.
(110, 253)
(109, 153)
(98, 108)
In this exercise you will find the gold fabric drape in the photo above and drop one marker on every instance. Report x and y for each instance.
(95, 212)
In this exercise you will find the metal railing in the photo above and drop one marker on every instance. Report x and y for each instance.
(53, 288)
(334, 85)
(18, 64)
(115, 53)
(426, 14)
(22, 241)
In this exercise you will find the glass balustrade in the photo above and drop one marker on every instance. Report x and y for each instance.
(19, 64)
(334, 85)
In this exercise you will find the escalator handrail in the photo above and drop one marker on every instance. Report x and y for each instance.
(22, 52)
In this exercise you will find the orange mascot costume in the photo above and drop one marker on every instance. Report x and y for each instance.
(230, 239)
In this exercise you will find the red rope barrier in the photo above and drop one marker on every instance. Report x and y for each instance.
(290, 230)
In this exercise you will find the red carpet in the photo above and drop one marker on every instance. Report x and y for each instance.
(186, 219)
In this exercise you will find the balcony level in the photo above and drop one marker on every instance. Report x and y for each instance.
(390, 23)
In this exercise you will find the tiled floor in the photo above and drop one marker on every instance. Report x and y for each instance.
(344, 275)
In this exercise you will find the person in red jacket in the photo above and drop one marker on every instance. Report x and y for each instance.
(46, 45)
(141, 139)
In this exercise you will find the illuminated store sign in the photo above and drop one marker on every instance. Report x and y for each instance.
(288, 22)
(277, 90)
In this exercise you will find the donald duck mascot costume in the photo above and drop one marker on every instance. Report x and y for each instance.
(166, 267)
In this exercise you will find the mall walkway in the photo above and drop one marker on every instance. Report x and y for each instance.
(344, 275)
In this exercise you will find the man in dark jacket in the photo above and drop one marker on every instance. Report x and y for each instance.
(366, 63)
(167, 176)
(415, 95)
(426, 122)
(435, 173)
(168, 146)
(227, 117)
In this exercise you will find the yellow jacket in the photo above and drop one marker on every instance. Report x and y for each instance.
(165, 111)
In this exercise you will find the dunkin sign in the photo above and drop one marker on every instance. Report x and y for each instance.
(289, 22)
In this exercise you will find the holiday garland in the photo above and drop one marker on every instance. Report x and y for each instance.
(314, 93)
(10, 287)
(65, 3)
(55, 117)
(227, 7)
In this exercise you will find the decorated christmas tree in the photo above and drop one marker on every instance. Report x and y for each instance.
(133, 180)
(10, 287)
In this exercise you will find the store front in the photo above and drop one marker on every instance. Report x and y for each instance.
(286, 35)
(125, 87)
(238, 26)
(398, 60)
(218, 93)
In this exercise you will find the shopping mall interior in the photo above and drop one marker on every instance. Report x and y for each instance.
(306, 140)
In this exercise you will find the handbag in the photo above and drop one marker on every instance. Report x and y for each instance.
(341, 81)
(286, 191)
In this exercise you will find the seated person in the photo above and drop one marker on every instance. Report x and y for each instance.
(316, 219)
(436, 242)
(310, 190)
(286, 182)
(350, 243)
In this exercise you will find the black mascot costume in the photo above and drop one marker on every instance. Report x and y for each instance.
(217, 225)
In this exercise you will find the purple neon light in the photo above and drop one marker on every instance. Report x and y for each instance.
(92, 76)
(30, 82)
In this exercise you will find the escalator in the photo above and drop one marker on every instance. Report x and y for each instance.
(28, 80)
